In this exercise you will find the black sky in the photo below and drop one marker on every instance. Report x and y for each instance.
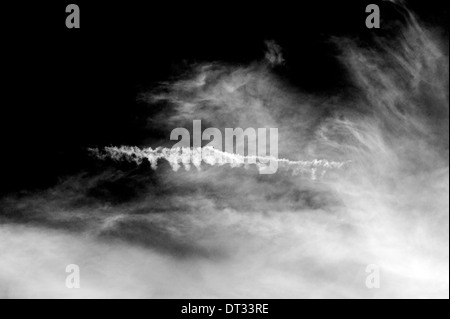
(66, 90)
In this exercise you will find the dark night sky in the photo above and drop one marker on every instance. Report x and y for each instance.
(67, 90)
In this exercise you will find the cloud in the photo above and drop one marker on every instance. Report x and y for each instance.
(186, 157)
(274, 55)
(233, 233)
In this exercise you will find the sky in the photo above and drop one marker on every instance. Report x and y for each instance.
(376, 100)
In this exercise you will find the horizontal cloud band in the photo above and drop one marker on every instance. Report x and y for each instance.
(177, 157)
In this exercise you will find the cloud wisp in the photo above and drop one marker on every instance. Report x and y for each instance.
(186, 157)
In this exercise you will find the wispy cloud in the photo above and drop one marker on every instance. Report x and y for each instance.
(186, 157)
(230, 232)
(274, 53)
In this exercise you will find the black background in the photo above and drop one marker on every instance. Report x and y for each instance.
(68, 89)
